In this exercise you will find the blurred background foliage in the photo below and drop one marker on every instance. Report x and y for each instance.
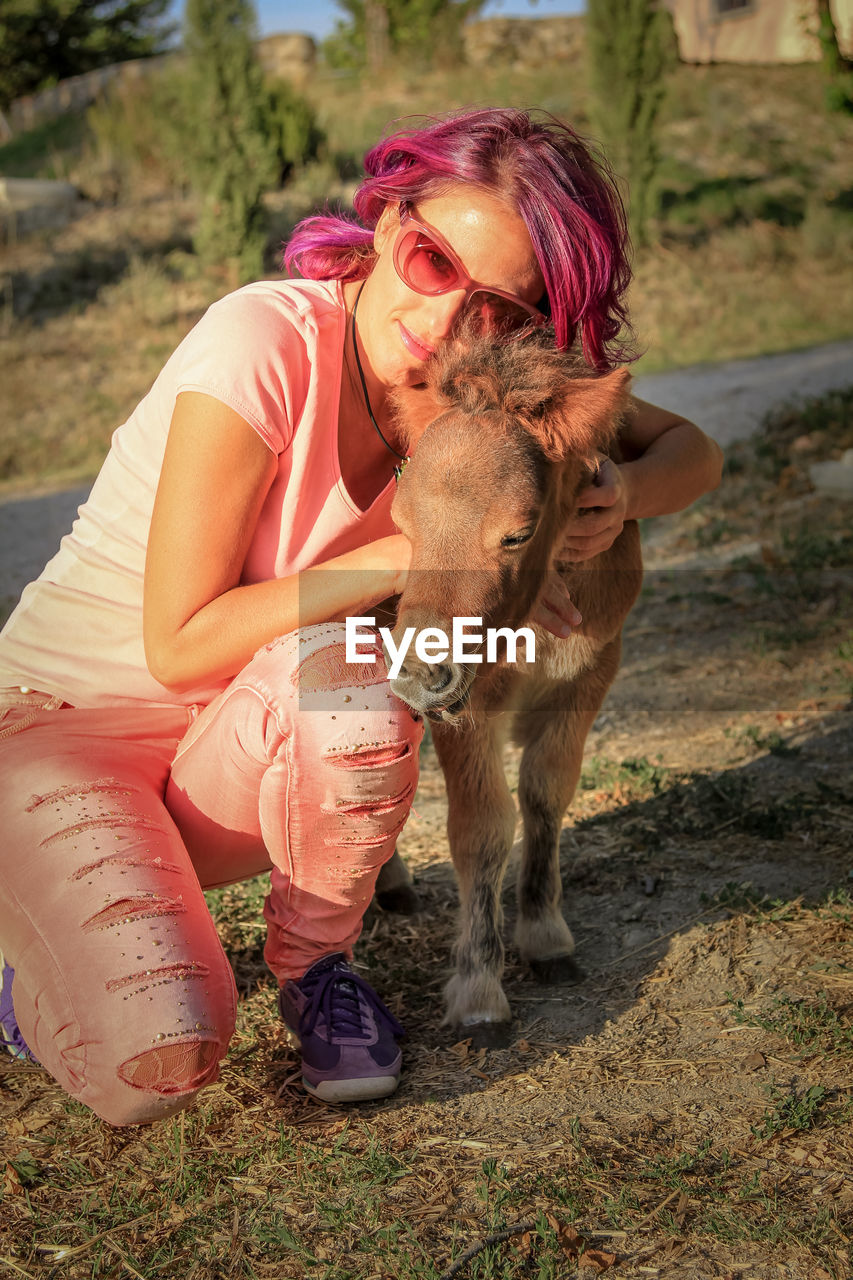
(44, 41)
(421, 32)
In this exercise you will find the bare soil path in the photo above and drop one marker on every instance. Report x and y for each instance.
(729, 400)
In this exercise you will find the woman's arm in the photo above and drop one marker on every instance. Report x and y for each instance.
(199, 624)
(669, 463)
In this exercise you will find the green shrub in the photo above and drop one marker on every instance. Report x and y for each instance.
(210, 124)
(138, 131)
(292, 126)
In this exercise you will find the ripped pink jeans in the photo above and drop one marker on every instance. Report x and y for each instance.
(115, 819)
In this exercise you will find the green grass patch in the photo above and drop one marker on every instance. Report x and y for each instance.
(46, 151)
(812, 1025)
(630, 779)
(771, 742)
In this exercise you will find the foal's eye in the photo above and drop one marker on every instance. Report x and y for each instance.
(517, 539)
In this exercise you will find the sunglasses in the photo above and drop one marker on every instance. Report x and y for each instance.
(427, 264)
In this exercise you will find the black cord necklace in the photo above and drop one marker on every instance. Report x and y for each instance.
(398, 470)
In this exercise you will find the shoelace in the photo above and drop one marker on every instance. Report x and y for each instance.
(337, 995)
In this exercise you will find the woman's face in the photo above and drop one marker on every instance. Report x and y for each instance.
(399, 329)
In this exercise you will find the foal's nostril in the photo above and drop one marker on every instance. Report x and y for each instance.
(441, 678)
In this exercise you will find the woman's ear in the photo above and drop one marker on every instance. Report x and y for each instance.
(386, 227)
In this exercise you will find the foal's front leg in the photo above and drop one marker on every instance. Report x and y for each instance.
(553, 733)
(480, 827)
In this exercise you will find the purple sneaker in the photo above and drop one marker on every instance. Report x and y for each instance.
(345, 1033)
(10, 1033)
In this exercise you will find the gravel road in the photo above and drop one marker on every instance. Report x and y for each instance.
(727, 400)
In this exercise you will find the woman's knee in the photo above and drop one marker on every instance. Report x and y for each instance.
(159, 1082)
(354, 756)
(297, 711)
(353, 714)
(125, 1084)
(135, 1047)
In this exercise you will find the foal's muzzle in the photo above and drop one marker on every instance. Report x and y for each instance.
(437, 690)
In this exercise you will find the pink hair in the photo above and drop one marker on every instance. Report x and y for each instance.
(565, 194)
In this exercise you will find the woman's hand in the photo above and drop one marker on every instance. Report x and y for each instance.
(601, 516)
(602, 508)
(553, 609)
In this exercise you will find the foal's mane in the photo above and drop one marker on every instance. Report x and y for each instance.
(553, 395)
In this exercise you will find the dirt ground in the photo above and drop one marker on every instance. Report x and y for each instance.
(715, 814)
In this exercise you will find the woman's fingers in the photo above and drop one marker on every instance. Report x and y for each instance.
(554, 609)
(604, 489)
(600, 516)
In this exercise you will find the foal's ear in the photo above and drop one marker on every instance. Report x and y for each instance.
(414, 409)
(584, 415)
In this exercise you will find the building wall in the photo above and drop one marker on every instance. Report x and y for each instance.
(524, 43)
(762, 31)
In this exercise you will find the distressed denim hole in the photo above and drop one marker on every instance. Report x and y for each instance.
(370, 808)
(107, 823)
(127, 909)
(107, 786)
(129, 859)
(370, 756)
(173, 1068)
(366, 841)
(166, 973)
(328, 669)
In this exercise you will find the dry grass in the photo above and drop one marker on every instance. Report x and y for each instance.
(103, 303)
(745, 292)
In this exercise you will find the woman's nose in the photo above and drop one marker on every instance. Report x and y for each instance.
(444, 313)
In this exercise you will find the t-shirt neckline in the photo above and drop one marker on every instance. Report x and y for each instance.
(340, 484)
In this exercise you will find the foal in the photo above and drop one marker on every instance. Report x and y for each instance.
(503, 438)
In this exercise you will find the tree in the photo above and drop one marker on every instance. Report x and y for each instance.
(233, 158)
(836, 68)
(631, 48)
(42, 41)
(416, 30)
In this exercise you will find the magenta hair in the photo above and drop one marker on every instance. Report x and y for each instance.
(563, 190)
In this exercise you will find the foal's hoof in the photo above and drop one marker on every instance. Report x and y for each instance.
(557, 969)
(486, 1035)
(403, 900)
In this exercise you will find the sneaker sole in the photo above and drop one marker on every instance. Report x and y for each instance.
(364, 1089)
(360, 1090)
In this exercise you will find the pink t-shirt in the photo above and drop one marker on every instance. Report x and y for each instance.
(273, 352)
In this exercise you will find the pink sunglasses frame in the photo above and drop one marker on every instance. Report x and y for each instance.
(408, 223)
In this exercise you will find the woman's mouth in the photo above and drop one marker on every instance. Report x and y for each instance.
(415, 346)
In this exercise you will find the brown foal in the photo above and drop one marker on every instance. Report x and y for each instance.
(502, 440)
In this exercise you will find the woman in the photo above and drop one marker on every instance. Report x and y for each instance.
(167, 726)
